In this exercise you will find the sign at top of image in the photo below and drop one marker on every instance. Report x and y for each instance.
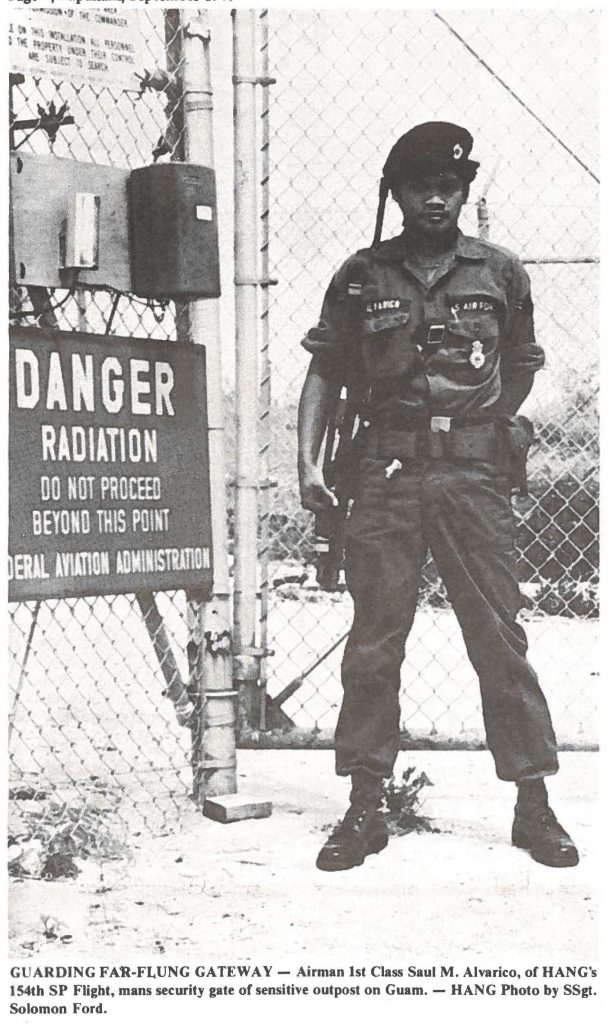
(104, 46)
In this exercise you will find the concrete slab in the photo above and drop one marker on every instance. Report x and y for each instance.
(235, 807)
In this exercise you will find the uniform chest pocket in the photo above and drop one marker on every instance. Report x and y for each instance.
(383, 314)
(386, 329)
(470, 338)
(474, 318)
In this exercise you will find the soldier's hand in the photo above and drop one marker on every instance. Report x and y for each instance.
(315, 495)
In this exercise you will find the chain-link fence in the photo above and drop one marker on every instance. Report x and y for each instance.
(349, 83)
(102, 704)
(102, 688)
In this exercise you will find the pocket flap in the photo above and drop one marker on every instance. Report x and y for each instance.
(472, 317)
(384, 314)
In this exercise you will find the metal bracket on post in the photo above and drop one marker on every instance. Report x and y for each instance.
(247, 664)
(198, 28)
(250, 680)
(246, 677)
(253, 80)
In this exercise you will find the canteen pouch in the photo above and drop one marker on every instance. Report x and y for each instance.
(516, 434)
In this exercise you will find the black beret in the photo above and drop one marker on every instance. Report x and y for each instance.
(435, 145)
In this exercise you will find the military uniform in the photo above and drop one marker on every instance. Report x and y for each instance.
(438, 329)
(434, 344)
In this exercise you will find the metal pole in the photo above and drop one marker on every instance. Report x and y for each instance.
(265, 370)
(82, 296)
(175, 130)
(176, 690)
(247, 660)
(482, 207)
(218, 774)
(483, 218)
(23, 672)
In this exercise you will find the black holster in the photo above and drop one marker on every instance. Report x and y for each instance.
(328, 546)
(515, 435)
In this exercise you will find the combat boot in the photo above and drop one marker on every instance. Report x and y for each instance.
(363, 830)
(535, 828)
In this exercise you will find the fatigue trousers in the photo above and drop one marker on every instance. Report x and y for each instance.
(461, 512)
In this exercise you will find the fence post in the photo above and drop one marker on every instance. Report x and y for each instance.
(482, 207)
(217, 773)
(483, 218)
(216, 780)
(247, 281)
(265, 370)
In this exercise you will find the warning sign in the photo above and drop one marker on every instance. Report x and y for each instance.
(101, 46)
(109, 481)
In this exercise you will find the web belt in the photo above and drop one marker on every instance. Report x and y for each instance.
(441, 439)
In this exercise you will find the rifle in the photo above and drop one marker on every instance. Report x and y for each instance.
(341, 454)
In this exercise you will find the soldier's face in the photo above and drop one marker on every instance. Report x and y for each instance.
(431, 203)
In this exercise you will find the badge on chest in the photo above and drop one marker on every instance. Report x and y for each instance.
(473, 320)
(477, 356)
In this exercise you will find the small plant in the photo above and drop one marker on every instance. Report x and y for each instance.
(50, 841)
(403, 801)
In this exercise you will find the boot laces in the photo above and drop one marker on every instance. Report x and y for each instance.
(547, 817)
(354, 817)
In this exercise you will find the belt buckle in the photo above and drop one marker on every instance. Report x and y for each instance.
(436, 334)
(440, 423)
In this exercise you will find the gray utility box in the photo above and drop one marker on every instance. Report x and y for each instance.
(174, 232)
